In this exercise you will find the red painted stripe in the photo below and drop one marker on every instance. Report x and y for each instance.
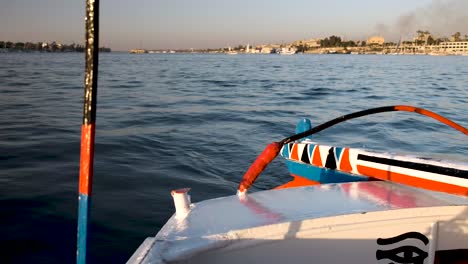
(345, 164)
(317, 159)
(183, 190)
(298, 181)
(86, 159)
(412, 181)
(294, 153)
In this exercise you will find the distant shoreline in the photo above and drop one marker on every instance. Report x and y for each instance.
(2, 50)
(8, 46)
(6, 51)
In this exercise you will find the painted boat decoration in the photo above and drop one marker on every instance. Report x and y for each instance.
(310, 163)
(327, 164)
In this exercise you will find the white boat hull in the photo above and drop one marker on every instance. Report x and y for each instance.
(335, 223)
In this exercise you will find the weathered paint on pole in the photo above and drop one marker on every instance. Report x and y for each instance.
(88, 127)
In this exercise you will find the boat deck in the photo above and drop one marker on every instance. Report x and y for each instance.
(231, 222)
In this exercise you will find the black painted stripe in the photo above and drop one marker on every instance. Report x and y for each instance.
(416, 166)
(305, 154)
(396, 239)
(330, 163)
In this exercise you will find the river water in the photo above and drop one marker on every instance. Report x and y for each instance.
(167, 121)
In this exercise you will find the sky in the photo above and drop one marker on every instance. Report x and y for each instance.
(184, 24)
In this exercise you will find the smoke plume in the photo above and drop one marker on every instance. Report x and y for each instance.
(441, 17)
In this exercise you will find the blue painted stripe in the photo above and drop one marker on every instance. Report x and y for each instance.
(321, 175)
(84, 204)
(311, 151)
(285, 152)
(338, 154)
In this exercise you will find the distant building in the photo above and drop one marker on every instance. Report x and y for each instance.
(138, 51)
(454, 46)
(311, 43)
(266, 50)
(271, 48)
(375, 40)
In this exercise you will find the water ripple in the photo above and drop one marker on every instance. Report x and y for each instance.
(167, 121)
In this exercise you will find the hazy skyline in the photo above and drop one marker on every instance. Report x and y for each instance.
(174, 24)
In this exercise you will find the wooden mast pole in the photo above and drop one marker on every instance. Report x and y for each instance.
(88, 127)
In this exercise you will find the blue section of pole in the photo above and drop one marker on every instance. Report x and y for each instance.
(84, 204)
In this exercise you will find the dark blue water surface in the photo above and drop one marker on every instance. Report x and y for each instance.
(167, 121)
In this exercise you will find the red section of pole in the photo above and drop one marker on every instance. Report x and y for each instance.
(262, 161)
(87, 159)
